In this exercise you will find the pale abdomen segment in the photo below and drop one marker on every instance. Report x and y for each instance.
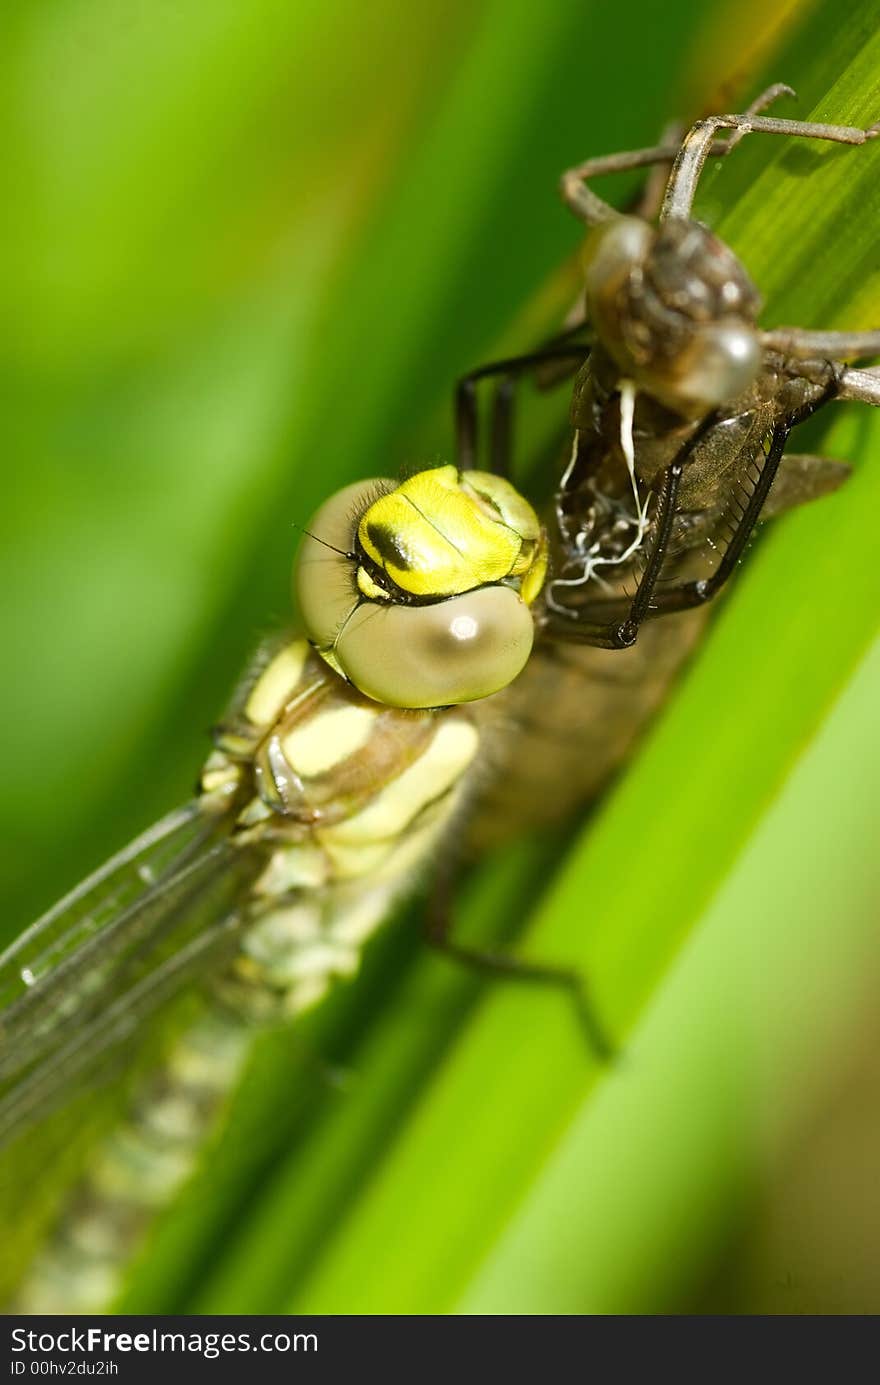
(344, 799)
(554, 739)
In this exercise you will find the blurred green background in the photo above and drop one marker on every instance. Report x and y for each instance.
(247, 249)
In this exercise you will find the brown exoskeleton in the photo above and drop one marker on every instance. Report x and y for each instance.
(682, 408)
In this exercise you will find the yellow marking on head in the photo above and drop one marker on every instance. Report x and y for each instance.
(441, 764)
(328, 738)
(276, 684)
(436, 535)
(368, 588)
(534, 579)
(502, 500)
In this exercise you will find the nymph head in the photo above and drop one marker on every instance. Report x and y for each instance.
(675, 310)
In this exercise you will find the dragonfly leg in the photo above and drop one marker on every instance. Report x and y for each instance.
(502, 965)
(508, 374)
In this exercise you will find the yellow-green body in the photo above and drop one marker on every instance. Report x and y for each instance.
(343, 801)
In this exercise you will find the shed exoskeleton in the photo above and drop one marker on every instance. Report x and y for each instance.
(682, 405)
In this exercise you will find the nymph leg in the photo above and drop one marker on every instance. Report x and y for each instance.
(698, 143)
(592, 209)
(508, 372)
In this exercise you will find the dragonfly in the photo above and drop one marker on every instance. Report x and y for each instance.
(445, 623)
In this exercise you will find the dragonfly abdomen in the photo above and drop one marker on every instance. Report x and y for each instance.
(343, 799)
(568, 724)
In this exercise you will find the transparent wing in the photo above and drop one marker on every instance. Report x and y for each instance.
(82, 979)
(77, 918)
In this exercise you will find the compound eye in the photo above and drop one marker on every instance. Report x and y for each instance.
(722, 360)
(372, 561)
(324, 572)
(614, 251)
(453, 651)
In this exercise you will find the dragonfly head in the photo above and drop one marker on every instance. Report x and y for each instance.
(418, 593)
(675, 310)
